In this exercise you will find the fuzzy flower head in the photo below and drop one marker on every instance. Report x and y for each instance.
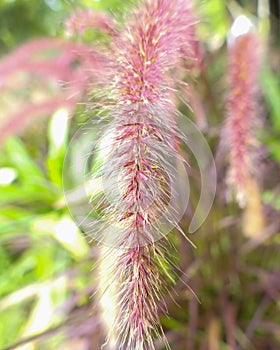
(244, 62)
(84, 19)
(153, 42)
(141, 163)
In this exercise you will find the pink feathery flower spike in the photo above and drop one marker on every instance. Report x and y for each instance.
(244, 62)
(84, 19)
(141, 152)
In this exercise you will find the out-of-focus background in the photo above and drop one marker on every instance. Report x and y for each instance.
(47, 265)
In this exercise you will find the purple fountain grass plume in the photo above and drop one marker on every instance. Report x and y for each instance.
(19, 119)
(244, 62)
(139, 167)
(84, 19)
(49, 61)
(30, 57)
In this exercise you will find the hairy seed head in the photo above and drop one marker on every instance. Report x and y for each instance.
(242, 111)
(139, 169)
